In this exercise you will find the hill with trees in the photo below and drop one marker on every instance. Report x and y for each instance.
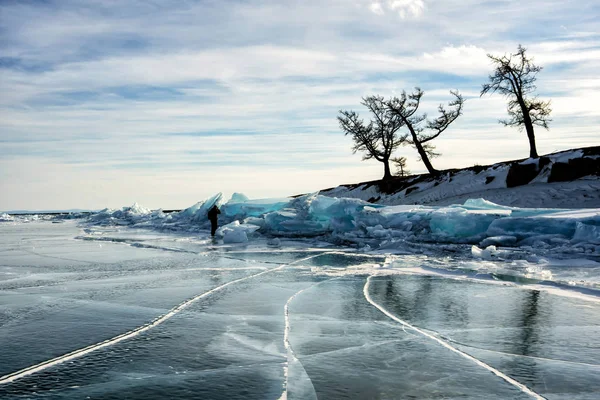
(566, 179)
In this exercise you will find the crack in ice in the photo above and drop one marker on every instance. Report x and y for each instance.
(287, 344)
(357, 347)
(35, 253)
(132, 333)
(493, 370)
(522, 355)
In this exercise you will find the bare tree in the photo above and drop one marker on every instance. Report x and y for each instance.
(379, 137)
(514, 77)
(406, 108)
(400, 163)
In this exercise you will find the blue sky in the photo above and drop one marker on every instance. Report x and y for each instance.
(104, 103)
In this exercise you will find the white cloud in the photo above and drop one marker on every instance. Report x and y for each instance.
(460, 60)
(232, 66)
(404, 8)
(407, 8)
(376, 8)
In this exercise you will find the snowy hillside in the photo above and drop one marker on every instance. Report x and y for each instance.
(567, 179)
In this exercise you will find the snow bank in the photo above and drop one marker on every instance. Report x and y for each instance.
(353, 221)
(568, 179)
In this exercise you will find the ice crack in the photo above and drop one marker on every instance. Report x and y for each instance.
(493, 370)
(288, 346)
(132, 333)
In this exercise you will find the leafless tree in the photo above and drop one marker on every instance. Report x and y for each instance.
(400, 163)
(514, 78)
(423, 131)
(377, 139)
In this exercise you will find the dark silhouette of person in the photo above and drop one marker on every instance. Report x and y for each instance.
(213, 217)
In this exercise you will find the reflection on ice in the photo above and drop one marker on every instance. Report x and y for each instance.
(448, 346)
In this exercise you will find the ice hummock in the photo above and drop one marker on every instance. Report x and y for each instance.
(4, 217)
(133, 215)
(354, 221)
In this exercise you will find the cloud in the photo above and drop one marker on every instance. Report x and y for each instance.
(404, 8)
(460, 60)
(407, 8)
(229, 68)
(376, 8)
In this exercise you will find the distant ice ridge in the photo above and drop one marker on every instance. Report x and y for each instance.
(18, 218)
(4, 217)
(133, 215)
(353, 221)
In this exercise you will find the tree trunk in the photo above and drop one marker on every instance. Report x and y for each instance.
(387, 174)
(420, 149)
(425, 159)
(532, 150)
(529, 129)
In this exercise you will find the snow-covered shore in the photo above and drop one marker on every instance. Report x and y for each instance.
(568, 179)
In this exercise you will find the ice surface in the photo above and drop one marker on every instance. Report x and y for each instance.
(130, 312)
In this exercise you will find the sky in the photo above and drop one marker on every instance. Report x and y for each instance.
(164, 103)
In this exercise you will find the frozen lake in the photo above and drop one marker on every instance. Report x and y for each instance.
(123, 313)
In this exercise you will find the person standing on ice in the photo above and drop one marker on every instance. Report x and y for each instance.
(213, 217)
